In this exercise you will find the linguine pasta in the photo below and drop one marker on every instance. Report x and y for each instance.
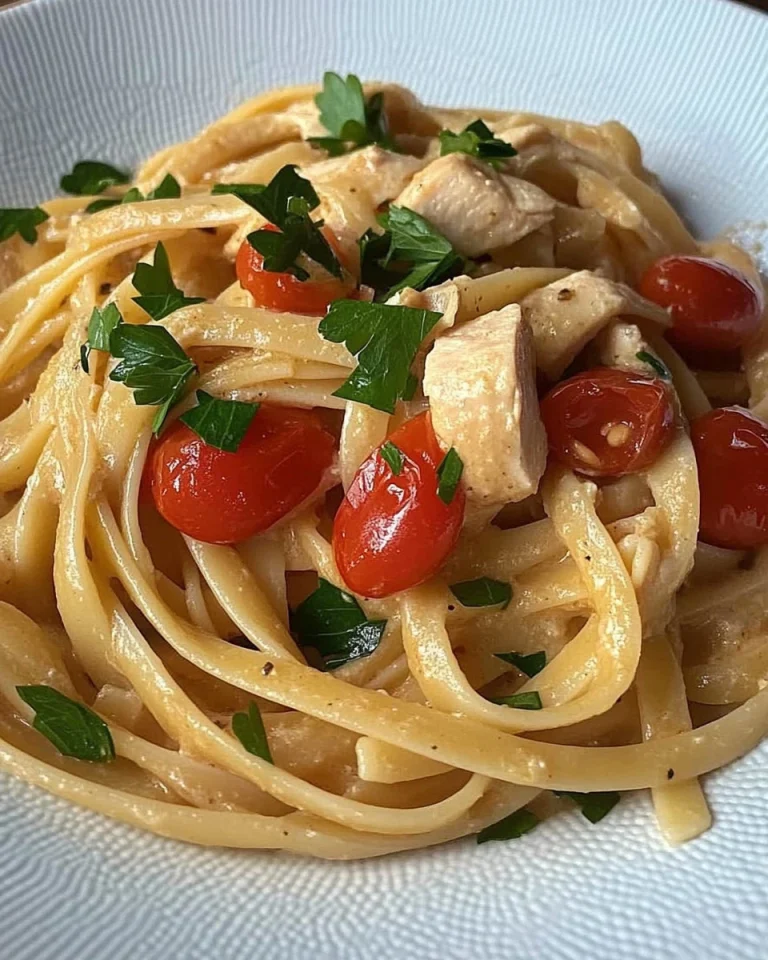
(653, 643)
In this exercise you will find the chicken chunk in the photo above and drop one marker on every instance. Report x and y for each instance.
(623, 345)
(567, 314)
(475, 207)
(481, 384)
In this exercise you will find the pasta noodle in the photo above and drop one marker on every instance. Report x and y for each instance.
(169, 639)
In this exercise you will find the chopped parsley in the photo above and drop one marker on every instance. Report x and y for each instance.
(286, 201)
(220, 423)
(483, 592)
(100, 327)
(410, 253)
(477, 141)
(530, 664)
(159, 295)
(529, 700)
(167, 189)
(249, 730)
(448, 475)
(351, 120)
(385, 340)
(332, 621)
(21, 220)
(74, 729)
(92, 176)
(594, 806)
(655, 364)
(510, 827)
(393, 456)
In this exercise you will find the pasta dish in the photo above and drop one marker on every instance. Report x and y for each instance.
(374, 475)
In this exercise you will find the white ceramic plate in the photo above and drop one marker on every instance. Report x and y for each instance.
(119, 78)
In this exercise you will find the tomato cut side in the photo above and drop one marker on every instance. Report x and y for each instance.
(731, 447)
(283, 292)
(221, 497)
(607, 422)
(391, 531)
(715, 309)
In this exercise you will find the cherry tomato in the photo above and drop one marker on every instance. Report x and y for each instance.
(282, 291)
(731, 448)
(607, 422)
(714, 307)
(221, 497)
(392, 532)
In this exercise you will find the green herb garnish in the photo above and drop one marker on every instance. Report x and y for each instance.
(21, 220)
(594, 806)
(220, 423)
(100, 327)
(510, 827)
(153, 365)
(159, 294)
(74, 729)
(393, 456)
(655, 364)
(521, 701)
(350, 119)
(477, 141)
(286, 201)
(333, 622)
(92, 176)
(482, 592)
(168, 189)
(385, 340)
(249, 730)
(448, 475)
(530, 664)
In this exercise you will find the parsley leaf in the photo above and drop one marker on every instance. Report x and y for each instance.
(511, 827)
(655, 364)
(333, 622)
(351, 120)
(220, 423)
(249, 730)
(594, 806)
(74, 729)
(521, 701)
(21, 220)
(153, 365)
(483, 592)
(385, 340)
(410, 253)
(100, 328)
(393, 456)
(168, 189)
(286, 201)
(478, 141)
(159, 294)
(92, 176)
(448, 475)
(529, 664)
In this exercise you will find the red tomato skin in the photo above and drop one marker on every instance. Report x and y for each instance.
(283, 292)
(714, 308)
(393, 532)
(221, 497)
(576, 410)
(731, 447)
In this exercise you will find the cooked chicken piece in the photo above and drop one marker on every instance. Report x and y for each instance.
(380, 173)
(619, 345)
(567, 314)
(475, 207)
(481, 384)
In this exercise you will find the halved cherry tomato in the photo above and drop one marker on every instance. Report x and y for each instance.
(282, 291)
(714, 308)
(607, 422)
(221, 497)
(391, 532)
(731, 448)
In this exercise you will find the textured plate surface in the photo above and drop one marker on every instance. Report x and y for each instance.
(119, 79)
